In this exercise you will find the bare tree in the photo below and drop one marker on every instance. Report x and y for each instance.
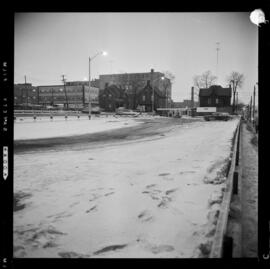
(237, 80)
(205, 80)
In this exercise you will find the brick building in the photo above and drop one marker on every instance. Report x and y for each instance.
(112, 97)
(133, 83)
(145, 98)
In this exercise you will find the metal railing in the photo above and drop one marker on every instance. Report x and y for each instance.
(223, 244)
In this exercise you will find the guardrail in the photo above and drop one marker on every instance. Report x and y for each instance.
(222, 246)
(46, 111)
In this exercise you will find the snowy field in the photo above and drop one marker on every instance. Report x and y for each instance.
(43, 127)
(152, 199)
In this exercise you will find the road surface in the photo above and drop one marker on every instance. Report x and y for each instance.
(152, 190)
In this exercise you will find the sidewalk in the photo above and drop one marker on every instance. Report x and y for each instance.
(249, 193)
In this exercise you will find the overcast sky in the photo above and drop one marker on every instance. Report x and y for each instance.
(48, 45)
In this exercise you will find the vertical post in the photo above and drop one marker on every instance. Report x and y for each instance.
(217, 58)
(52, 96)
(153, 92)
(192, 97)
(250, 105)
(237, 102)
(89, 97)
(65, 89)
(254, 93)
(26, 91)
(233, 96)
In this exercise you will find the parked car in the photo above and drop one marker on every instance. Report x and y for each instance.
(218, 116)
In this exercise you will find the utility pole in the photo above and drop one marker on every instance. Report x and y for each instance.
(250, 105)
(52, 96)
(192, 97)
(254, 93)
(236, 102)
(153, 91)
(89, 84)
(26, 91)
(64, 81)
(217, 43)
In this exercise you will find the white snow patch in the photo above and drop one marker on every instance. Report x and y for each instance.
(58, 127)
(135, 200)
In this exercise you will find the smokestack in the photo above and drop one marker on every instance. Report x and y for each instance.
(192, 97)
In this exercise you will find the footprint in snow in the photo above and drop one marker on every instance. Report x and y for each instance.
(109, 193)
(150, 186)
(171, 191)
(164, 174)
(145, 216)
(94, 208)
(109, 248)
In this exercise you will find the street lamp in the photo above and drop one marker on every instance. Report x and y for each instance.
(104, 53)
(153, 92)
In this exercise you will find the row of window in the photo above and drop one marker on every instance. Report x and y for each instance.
(59, 90)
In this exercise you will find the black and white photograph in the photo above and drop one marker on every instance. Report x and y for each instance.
(136, 134)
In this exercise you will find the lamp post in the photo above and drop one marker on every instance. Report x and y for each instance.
(104, 53)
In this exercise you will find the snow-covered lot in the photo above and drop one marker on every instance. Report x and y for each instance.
(155, 198)
(43, 127)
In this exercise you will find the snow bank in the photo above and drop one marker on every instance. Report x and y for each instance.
(58, 127)
(144, 199)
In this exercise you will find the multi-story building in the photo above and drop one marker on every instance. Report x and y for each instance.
(25, 94)
(113, 97)
(94, 83)
(133, 83)
(69, 96)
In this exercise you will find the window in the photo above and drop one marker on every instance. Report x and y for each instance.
(143, 97)
(216, 100)
(209, 101)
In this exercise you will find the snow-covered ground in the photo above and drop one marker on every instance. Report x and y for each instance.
(43, 127)
(154, 198)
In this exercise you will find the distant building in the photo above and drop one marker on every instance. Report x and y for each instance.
(94, 83)
(216, 96)
(111, 98)
(144, 98)
(132, 83)
(25, 94)
(76, 96)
